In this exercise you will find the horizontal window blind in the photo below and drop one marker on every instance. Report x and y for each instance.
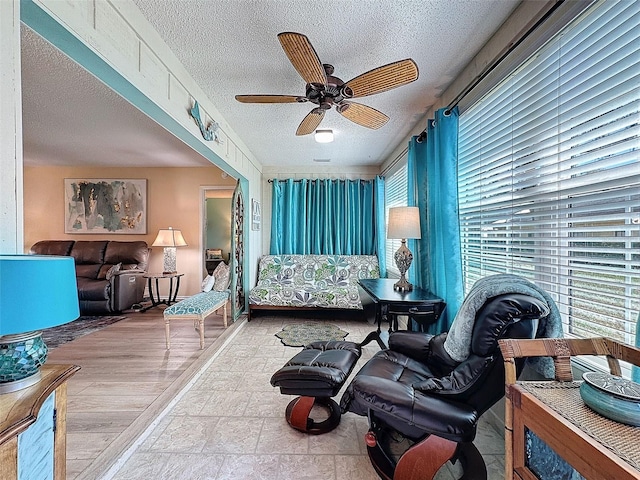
(396, 195)
(549, 173)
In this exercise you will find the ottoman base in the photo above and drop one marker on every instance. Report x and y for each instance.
(299, 409)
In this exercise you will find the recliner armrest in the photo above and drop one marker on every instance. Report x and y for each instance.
(127, 289)
(414, 345)
(459, 380)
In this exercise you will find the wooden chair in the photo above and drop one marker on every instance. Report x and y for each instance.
(560, 350)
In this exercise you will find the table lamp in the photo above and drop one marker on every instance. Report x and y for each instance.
(36, 292)
(404, 222)
(169, 238)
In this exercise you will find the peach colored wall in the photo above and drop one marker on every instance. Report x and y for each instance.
(173, 199)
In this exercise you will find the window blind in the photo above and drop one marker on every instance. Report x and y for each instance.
(549, 173)
(395, 196)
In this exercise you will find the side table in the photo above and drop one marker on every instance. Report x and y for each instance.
(420, 305)
(174, 278)
(33, 424)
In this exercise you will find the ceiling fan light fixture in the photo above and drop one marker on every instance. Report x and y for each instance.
(324, 136)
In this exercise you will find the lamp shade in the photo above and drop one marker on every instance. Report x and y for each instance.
(36, 292)
(169, 237)
(404, 222)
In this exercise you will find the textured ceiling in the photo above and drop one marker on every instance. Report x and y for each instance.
(230, 47)
(71, 118)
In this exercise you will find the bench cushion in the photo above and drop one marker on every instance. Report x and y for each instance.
(197, 304)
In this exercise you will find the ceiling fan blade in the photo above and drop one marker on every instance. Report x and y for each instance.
(362, 115)
(310, 122)
(384, 78)
(270, 99)
(303, 57)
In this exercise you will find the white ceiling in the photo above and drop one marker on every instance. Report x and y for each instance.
(230, 47)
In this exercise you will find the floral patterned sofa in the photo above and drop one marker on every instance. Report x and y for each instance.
(312, 282)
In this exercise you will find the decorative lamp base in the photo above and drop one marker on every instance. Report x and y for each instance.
(21, 357)
(169, 260)
(403, 258)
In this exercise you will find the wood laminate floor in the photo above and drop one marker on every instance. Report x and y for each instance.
(127, 378)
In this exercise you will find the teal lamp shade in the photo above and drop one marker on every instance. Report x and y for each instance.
(36, 292)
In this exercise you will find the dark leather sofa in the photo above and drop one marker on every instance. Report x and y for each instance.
(109, 273)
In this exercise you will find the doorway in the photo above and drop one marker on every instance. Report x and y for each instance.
(216, 226)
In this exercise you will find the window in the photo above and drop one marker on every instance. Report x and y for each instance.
(395, 196)
(549, 174)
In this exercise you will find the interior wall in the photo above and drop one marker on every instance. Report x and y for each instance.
(219, 225)
(173, 199)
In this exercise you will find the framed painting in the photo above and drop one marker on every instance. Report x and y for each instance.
(102, 206)
(214, 253)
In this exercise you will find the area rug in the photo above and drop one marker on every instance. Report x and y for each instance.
(299, 335)
(56, 336)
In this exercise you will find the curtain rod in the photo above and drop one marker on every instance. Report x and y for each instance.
(313, 179)
(511, 48)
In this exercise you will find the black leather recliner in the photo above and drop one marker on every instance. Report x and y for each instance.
(416, 392)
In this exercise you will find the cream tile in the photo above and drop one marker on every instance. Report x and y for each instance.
(142, 466)
(311, 467)
(250, 364)
(192, 402)
(495, 467)
(267, 404)
(234, 435)
(231, 424)
(249, 467)
(354, 467)
(278, 437)
(488, 440)
(225, 404)
(198, 466)
(343, 440)
(255, 382)
(185, 434)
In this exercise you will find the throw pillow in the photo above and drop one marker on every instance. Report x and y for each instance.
(113, 270)
(221, 273)
(208, 283)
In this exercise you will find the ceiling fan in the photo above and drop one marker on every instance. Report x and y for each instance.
(326, 91)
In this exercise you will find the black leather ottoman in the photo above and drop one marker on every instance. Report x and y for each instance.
(316, 374)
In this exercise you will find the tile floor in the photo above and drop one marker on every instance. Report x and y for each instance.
(228, 423)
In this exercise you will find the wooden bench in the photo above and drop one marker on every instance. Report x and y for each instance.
(196, 308)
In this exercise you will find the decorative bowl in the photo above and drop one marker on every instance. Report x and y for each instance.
(611, 396)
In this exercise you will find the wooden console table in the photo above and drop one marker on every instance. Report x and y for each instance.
(418, 304)
(33, 423)
(548, 425)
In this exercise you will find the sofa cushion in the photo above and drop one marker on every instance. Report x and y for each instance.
(52, 247)
(88, 271)
(86, 252)
(329, 281)
(129, 254)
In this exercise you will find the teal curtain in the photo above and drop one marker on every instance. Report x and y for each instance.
(433, 165)
(413, 274)
(334, 217)
(379, 205)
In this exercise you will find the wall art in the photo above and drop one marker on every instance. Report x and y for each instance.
(255, 214)
(102, 206)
